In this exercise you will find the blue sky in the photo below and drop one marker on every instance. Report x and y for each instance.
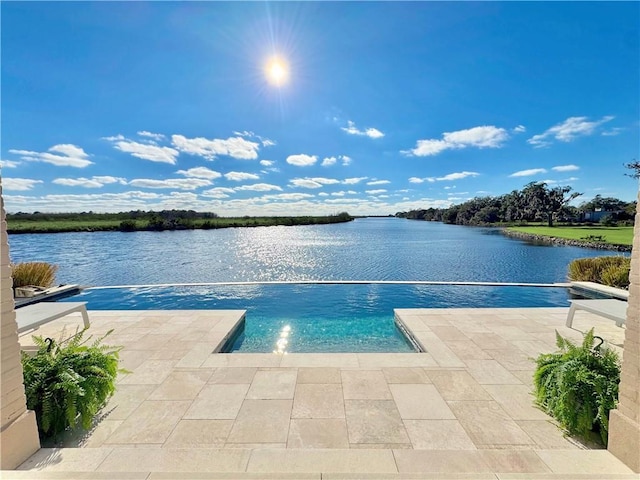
(372, 108)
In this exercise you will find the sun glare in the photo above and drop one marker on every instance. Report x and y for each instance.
(277, 71)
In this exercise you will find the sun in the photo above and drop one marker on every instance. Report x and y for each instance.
(277, 71)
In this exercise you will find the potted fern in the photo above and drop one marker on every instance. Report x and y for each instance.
(578, 386)
(69, 381)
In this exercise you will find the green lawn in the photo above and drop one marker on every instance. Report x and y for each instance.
(614, 235)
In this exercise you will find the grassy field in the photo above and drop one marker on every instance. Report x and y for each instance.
(55, 225)
(613, 235)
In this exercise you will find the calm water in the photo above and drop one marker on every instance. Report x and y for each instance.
(312, 318)
(365, 249)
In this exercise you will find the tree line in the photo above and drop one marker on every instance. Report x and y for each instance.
(536, 202)
(138, 220)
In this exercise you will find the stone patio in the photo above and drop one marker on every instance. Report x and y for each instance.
(464, 408)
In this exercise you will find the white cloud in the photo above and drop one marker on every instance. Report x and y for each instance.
(567, 131)
(519, 129)
(323, 194)
(177, 183)
(200, 172)
(565, 168)
(302, 160)
(376, 192)
(266, 163)
(325, 181)
(378, 182)
(287, 196)
(487, 136)
(612, 132)
(218, 192)
(305, 183)
(19, 184)
(529, 172)
(107, 179)
(78, 182)
(351, 129)
(457, 176)
(152, 136)
(353, 180)
(70, 156)
(446, 178)
(9, 164)
(235, 147)
(259, 187)
(327, 162)
(240, 176)
(268, 143)
(153, 153)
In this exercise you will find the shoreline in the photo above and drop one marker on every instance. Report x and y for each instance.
(546, 240)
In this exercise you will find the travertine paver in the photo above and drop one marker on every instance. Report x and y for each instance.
(405, 375)
(420, 402)
(153, 422)
(488, 424)
(262, 421)
(439, 461)
(346, 461)
(318, 400)
(365, 384)
(464, 407)
(458, 385)
(150, 372)
(517, 401)
(233, 375)
(172, 460)
(438, 435)
(199, 434)
(546, 434)
(374, 421)
(318, 433)
(126, 399)
(490, 372)
(273, 385)
(319, 375)
(182, 385)
(217, 402)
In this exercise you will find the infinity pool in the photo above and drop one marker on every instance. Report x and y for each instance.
(320, 317)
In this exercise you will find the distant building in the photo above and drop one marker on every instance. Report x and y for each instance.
(597, 214)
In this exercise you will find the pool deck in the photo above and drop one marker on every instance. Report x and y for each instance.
(462, 410)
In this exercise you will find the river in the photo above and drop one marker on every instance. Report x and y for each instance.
(365, 249)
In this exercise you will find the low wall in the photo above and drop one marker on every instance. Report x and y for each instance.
(543, 239)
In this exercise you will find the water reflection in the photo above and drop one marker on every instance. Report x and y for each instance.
(283, 341)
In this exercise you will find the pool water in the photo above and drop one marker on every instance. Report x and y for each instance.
(320, 317)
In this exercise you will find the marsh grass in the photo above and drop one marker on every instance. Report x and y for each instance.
(612, 271)
(40, 274)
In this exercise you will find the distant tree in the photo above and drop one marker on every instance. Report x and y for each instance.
(542, 202)
(635, 166)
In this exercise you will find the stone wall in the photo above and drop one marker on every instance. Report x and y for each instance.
(18, 429)
(624, 422)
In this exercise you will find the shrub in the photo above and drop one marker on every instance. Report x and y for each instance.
(128, 226)
(40, 274)
(593, 270)
(67, 380)
(616, 275)
(578, 385)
